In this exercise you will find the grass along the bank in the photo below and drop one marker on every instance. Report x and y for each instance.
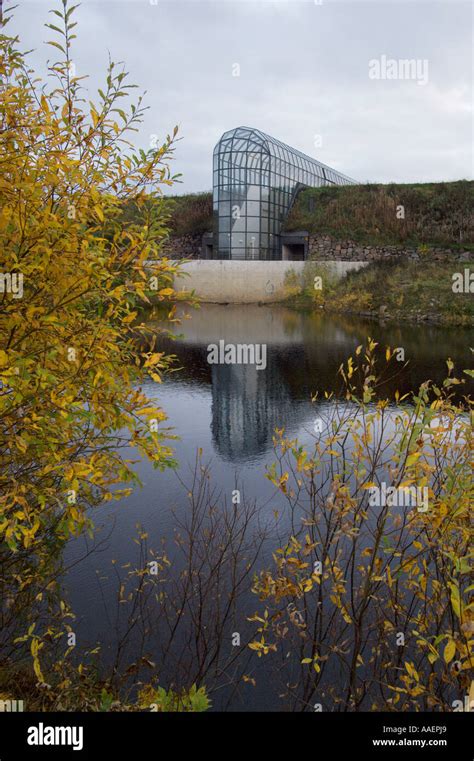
(410, 291)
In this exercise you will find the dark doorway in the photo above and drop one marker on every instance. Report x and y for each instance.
(293, 252)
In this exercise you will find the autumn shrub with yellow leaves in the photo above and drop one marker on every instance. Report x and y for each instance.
(369, 603)
(75, 273)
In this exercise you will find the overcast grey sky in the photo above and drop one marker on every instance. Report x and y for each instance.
(304, 77)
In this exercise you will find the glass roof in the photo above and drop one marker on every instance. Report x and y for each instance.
(243, 139)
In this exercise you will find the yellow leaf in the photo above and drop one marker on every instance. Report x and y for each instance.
(411, 459)
(449, 651)
(44, 104)
(153, 359)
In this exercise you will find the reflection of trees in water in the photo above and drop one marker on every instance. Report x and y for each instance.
(329, 340)
(247, 405)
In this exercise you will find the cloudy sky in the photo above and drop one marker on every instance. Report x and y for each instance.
(296, 69)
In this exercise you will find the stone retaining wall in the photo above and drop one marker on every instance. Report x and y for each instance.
(326, 248)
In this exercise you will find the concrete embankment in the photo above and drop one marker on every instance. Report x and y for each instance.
(249, 282)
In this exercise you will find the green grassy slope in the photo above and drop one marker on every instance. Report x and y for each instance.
(435, 213)
(190, 214)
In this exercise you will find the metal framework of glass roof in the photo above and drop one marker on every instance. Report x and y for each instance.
(255, 182)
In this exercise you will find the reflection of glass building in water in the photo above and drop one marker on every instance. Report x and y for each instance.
(255, 182)
(247, 405)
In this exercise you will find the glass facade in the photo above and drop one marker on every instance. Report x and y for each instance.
(255, 182)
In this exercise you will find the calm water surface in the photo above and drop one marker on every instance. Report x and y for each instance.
(231, 413)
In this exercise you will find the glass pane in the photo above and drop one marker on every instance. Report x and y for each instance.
(252, 208)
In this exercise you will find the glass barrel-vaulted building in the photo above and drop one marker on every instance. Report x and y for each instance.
(255, 182)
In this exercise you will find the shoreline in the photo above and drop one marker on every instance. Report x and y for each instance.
(305, 304)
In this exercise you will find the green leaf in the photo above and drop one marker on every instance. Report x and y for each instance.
(56, 45)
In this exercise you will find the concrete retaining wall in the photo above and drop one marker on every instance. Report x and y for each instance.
(250, 282)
